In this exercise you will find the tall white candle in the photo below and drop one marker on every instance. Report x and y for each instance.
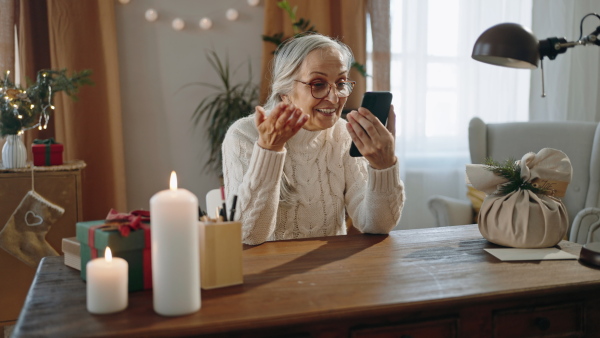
(106, 284)
(175, 253)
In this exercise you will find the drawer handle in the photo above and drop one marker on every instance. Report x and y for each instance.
(542, 323)
(406, 336)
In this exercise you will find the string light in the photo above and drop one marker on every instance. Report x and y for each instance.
(232, 14)
(205, 23)
(151, 15)
(22, 105)
(178, 24)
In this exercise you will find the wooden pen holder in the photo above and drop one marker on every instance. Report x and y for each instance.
(220, 254)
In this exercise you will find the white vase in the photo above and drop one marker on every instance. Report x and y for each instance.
(14, 153)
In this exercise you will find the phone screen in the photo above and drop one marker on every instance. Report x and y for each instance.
(377, 103)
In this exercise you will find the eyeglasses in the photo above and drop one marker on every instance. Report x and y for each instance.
(320, 89)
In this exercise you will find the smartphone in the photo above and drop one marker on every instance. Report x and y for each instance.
(377, 103)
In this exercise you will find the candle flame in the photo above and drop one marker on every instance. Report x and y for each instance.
(108, 254)
(173, 182)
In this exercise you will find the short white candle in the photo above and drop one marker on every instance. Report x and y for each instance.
(107, 280)
(175, 253)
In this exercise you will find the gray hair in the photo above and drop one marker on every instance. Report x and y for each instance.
(290, 55)
(286, 63)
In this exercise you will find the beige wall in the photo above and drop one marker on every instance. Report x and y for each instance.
(155, 63)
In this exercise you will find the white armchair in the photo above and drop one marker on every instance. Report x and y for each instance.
(579, 140)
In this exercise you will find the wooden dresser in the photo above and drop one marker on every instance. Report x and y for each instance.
(436, 282)
(58, 184)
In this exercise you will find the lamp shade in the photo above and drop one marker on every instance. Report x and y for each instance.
(508, 45)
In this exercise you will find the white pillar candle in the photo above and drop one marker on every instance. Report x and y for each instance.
(175, 261)
(106, 284)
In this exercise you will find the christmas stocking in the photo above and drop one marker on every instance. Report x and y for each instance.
(24, 235)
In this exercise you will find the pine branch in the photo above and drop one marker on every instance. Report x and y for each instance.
(22, 109)
(511, 170)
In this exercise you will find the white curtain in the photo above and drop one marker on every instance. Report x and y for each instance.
(573, 78)
(438, 88)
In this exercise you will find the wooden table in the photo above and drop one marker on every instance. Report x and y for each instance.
(434, 282)
(60, 185)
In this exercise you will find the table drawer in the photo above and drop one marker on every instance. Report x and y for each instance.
(549, 321)
(427, 329)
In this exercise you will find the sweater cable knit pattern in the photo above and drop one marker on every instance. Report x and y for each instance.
(326, 178)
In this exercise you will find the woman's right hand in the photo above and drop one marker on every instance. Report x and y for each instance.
(284, 121)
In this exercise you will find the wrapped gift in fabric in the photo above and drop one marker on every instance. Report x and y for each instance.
(128, 236)
(47, 152)
(523, 208)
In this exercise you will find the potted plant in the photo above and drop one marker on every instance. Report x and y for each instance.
(24, 109)
(220, 109)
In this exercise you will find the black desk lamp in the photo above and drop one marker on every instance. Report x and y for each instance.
(515, 46)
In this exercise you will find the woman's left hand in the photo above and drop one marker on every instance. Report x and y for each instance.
(373, 139)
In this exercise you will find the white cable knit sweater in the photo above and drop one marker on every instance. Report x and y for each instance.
(326, 178)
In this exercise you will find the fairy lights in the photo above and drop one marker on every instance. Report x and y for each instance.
(18, 101)
(22, 109)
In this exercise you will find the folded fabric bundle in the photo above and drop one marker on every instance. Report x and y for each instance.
(522, 208)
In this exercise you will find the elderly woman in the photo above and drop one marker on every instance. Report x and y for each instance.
(289, 162)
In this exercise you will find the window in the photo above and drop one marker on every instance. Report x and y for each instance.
(438, 88)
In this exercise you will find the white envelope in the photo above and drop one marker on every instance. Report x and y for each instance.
(510, 254)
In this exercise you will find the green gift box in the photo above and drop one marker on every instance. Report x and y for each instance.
(134, 248)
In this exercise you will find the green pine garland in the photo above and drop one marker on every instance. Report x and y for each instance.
(22, 109)
(512, 172)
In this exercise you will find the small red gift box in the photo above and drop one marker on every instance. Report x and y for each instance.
(47, 152)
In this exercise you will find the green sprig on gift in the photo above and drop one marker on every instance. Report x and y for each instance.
(511, 170)
(23, 109)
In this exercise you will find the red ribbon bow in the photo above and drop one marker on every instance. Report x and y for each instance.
(125, 222)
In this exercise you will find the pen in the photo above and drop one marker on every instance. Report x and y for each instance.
(224, 205)
(232, 212)
(201, 212)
